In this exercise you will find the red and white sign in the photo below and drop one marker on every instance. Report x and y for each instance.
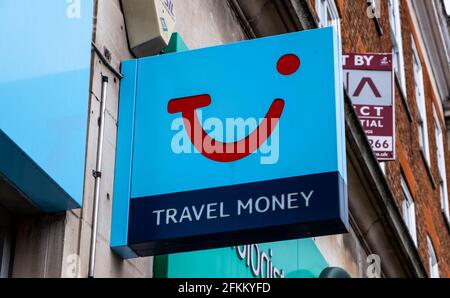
(369, 82)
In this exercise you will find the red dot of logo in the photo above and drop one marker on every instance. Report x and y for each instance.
(288, 64)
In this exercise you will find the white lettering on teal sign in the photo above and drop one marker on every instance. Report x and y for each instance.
(259, 262)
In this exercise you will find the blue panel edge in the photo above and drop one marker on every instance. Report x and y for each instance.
(30, 180)
(341, 141)
(340, 103)
(124, 158)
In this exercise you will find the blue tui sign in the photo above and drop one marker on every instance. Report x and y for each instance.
(230, 145)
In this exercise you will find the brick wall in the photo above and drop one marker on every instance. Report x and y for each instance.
(360, 34)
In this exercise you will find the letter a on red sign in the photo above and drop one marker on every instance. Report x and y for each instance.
(371, 84)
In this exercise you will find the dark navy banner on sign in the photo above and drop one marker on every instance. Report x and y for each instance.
(237, 214)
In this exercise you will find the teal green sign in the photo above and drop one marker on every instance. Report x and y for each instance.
(287, 259)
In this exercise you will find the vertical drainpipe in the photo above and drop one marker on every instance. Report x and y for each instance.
(98, 175)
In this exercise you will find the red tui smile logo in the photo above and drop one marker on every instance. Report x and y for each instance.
(233, 151)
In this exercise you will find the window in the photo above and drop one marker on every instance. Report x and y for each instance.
(441, 167)
(329, 17)
(421, 107)
(397, 43)
(328, 14)
(443, 10)
(432, 260)
(409, 211)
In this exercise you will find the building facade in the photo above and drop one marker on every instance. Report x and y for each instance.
(399, 210)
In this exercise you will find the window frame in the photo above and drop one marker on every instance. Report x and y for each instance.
(442, 168)
(419, 89)
(323, 7)
(409, 210)
(433, 264)
(328, 16)
(397, 42)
